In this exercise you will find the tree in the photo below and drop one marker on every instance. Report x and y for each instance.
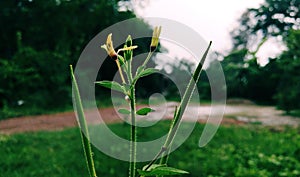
(272, 18)
(234, 70)
(274, 82)
(288, 91)
(56, 25)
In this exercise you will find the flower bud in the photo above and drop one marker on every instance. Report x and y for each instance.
(127, 98)
(128, 41)
(155, 38)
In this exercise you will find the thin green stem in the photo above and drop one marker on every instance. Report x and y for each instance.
(133, 137)
(133, 134)
(84, 130)
(129, 72)
(147, 59)
(120, 71)
(165, 157)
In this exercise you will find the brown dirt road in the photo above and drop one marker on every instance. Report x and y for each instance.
(234, 114)
(48, 122)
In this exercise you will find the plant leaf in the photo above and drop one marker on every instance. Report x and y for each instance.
(111, 85)
(140, 72)
(147, 72)
(144, 111)
(161, 171)
(124, 111)
(83, 125)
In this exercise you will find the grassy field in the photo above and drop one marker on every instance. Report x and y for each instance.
(234, 151)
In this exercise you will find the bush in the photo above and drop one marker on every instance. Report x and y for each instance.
(34, 80)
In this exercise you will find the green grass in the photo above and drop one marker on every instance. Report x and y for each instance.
(234, 151)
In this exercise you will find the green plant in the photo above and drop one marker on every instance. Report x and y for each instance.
(127, 87)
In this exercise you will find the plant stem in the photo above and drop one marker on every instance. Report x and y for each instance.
(129, 72)
(133, 134)
(147, 59)
(120, 71)
(133, 137)
(84, 130)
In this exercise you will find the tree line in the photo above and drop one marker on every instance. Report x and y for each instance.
(40, 39)
(278, 82)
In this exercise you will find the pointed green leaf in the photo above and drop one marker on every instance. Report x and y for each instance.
(144, 111)
(83, 125)
(140, 72)
(147, 72)
(124, 111)
(111, 85)
(184, 102)
(162, 171)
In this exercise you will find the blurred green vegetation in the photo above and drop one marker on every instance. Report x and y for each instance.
(39, 39)
(234, 151)
(277, 82)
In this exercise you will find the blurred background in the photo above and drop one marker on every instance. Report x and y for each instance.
(257, 43)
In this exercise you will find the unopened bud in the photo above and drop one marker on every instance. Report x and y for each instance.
(128, 41)
(155, 38)
(127, 98)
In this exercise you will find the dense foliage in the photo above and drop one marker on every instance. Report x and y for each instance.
(288, 90)
(39, 40)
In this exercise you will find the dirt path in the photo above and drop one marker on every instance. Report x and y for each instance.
(48, 122)
(234, 114)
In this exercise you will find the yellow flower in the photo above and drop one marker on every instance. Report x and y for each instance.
(155, 38)
(110, 48)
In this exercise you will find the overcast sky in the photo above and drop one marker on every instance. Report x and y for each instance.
(212, 19)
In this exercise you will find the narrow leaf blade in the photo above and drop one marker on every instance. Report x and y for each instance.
(147, 72)
(83, 125)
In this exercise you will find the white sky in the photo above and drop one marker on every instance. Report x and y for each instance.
(212, 19)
